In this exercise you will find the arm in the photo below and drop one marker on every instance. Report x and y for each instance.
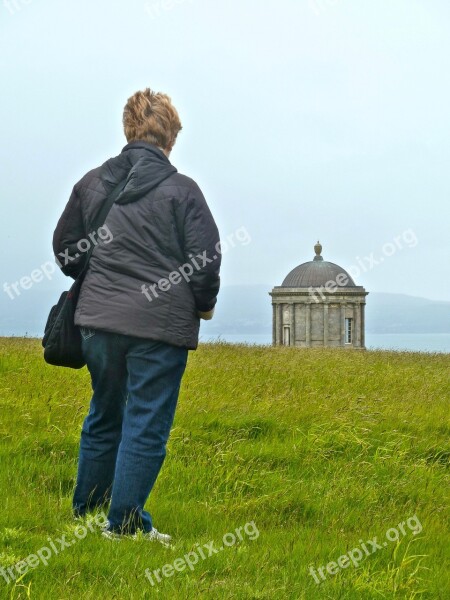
(202, 251)
(69, 231)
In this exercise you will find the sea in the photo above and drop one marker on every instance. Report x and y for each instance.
(412, 342)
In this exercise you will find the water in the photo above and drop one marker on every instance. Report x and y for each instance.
(416, 342)
(413, 342)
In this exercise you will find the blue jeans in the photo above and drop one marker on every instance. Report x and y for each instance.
(135, 386)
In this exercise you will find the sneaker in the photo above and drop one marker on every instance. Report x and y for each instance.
(153, 536)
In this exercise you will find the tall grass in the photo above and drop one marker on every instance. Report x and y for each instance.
(322, 449)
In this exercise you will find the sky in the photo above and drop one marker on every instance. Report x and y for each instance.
(303, 120)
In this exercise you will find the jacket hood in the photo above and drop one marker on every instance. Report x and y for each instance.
(143, 165)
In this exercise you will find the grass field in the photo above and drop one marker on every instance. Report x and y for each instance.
(311, 453)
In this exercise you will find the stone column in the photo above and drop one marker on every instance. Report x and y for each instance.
(274, 324)
(343, 305)
(363, 325)
(325, 323)
(357, 327)
(280, 324)
(308, 324)
(292, 314)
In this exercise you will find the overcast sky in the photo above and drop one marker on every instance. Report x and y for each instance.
(302, 120)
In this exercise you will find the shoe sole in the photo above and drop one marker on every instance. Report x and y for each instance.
(116, 537)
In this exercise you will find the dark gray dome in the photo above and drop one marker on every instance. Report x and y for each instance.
(317, 273)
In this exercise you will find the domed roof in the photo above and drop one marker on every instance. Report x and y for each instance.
(317, 273)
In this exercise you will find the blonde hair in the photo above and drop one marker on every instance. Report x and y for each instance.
(151, 117)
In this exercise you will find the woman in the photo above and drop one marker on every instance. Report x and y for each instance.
(148, 284)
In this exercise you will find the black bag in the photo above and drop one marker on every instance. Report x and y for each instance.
(62, 338)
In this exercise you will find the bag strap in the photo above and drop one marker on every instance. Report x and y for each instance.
(100, 219)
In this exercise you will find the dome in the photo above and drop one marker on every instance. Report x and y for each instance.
(317, 273)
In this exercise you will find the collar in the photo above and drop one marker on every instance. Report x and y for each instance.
(146, 146)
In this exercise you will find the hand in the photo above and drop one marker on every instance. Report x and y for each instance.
(205, 315)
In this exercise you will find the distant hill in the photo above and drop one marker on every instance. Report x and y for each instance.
(247, 309)
(244, 309)
(400, 313)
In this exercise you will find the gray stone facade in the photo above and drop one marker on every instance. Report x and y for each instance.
(327, 310)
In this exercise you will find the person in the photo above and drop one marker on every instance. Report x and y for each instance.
(153, 274)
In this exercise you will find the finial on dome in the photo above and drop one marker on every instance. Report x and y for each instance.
(318, 250)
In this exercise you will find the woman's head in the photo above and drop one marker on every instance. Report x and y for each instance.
(151, 117)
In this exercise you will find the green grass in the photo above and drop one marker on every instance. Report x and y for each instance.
(322, 449)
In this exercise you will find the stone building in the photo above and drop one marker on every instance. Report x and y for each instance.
(318, 304)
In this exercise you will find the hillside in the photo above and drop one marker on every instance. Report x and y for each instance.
(247, 309)
(243, 309)
(312, 453)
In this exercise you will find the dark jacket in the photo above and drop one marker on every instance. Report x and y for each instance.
(160, 233)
